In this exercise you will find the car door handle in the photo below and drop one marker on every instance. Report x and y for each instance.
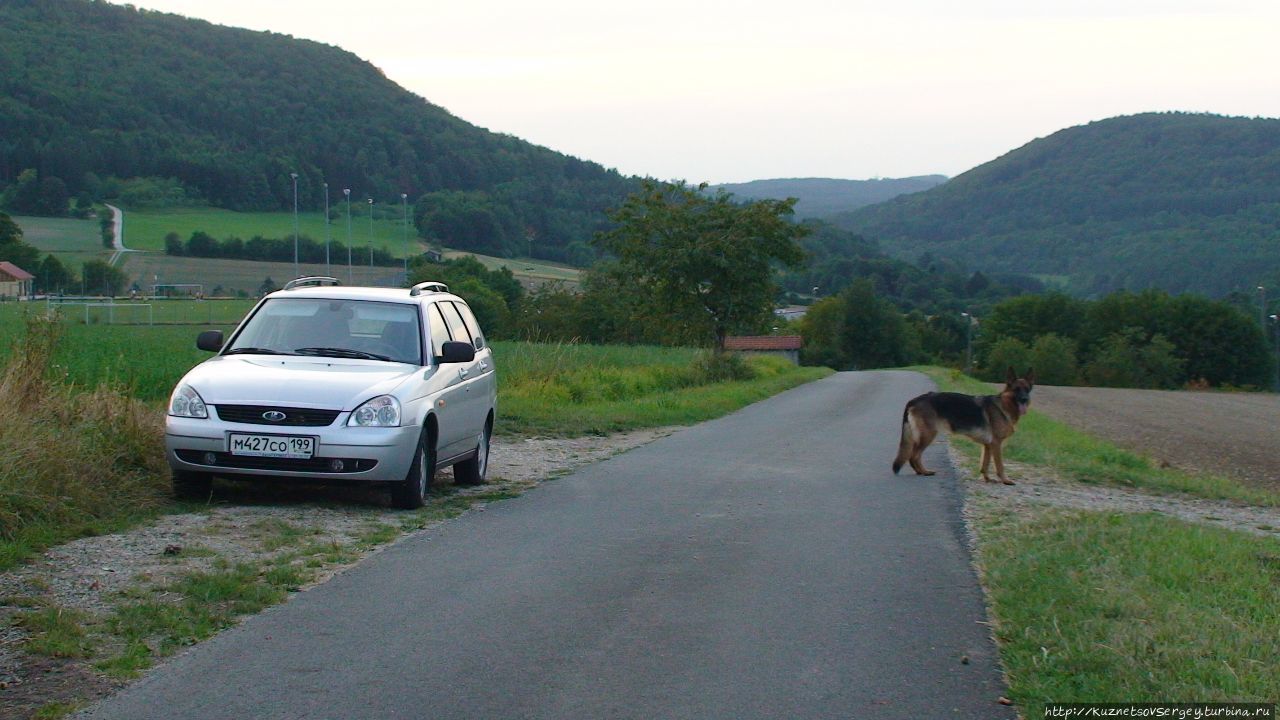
(462, 372)
(483, 366)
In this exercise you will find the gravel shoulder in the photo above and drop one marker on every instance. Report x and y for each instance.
(1235, 435)
(94, 575)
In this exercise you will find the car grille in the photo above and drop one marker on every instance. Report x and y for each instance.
(245, 462)
(294, 417)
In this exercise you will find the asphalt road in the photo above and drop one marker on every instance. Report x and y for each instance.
(764, 565)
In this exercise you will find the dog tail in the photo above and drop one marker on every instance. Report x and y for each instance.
(905, 441)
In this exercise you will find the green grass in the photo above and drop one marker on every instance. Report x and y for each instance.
(146, 229)
(73, 242)
(1101, 607)
(56, 632)
(1041, 440)
(562, 389)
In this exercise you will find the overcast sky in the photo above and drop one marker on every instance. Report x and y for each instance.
(733, 91)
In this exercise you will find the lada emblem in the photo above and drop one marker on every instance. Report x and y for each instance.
(273, 416)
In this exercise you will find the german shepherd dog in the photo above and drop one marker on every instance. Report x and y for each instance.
(988, 420)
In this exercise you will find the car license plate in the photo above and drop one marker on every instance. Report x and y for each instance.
(278, 446)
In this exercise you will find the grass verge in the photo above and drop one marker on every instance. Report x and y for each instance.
(1046, 442)
(1105, 607)
(1093, 606)
(71, 463)
(566, 390)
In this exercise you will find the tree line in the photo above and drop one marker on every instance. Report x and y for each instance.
(203, 245)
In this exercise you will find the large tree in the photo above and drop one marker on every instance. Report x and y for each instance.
(700, 258)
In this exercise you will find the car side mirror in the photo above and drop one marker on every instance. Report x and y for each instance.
(210, 340)
(457, 352)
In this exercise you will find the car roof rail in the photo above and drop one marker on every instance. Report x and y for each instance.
(312, 281)
(422, 287)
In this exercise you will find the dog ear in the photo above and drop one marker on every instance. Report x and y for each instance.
(1030, 377)
(1011, 377)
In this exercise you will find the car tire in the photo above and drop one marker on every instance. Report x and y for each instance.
(411, 493)
(192, 485)
(472, 472)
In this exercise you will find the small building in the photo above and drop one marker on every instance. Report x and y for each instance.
(787, 346)
(14, 281)
(791, 312)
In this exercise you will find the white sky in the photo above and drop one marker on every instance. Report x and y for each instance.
(733, 91)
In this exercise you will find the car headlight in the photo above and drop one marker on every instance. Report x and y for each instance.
(382, 411)
(186, 402)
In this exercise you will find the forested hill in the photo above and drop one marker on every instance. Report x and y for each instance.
(1171, 200)
(90, 90)
(824, 197)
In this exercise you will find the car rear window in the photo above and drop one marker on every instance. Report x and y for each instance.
(477, 338)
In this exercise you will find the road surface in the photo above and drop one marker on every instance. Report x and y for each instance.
(764, 565)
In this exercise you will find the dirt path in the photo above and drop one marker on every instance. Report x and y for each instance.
(1236, 435)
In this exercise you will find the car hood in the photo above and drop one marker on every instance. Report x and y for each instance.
(310, 382)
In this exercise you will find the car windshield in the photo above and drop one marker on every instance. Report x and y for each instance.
(361, 329)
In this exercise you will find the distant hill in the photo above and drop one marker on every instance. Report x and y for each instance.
(1183, 202)
(823, 197)
(90, 91)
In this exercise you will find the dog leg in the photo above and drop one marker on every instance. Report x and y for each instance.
(998, 450)
(986, 462)
(924, 436)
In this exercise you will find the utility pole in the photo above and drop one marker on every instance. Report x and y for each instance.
(347, 192)
(295, 224)
(968, 342)
(1275, 332)
(327, 271)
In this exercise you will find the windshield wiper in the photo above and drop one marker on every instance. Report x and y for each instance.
(341, 352)
(254, 351)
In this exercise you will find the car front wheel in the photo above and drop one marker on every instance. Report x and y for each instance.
(411, 492)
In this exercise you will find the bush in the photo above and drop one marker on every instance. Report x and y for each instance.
(1123, 360)
(1054, 359)
(1007, 352)
(722, 367)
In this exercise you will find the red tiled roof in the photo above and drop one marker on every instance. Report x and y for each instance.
(14, 271)
(762, 342)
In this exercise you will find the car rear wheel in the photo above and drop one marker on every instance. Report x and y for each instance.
(192, 485)
(411, 492)
(471, 472)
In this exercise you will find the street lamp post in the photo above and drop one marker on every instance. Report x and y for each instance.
(968, 342)
(404, 201)
(1275, 331)
(347, 192)
(370, 241)
(1262, 307)
(295, 224)
(327, 271)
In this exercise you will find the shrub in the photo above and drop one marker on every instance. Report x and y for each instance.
(1054, 359)
(1007, 352)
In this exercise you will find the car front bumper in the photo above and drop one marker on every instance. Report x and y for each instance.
(342, 453)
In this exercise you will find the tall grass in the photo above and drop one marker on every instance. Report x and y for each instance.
(568, 389)
(72, 462)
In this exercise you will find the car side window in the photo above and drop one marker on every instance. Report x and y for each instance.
(477, 338)
(457, 328)
(439, 330)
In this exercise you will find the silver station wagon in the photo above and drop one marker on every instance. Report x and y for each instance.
(339, 383)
